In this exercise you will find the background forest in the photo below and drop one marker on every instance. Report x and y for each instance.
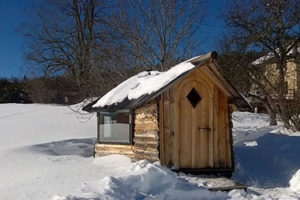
(78, 49)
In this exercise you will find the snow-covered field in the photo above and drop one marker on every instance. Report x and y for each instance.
(46, 153)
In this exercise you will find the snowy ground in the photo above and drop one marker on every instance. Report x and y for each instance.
(45, 153)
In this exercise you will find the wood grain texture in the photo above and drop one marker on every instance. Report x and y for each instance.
(146, 136)
(108, 149)
(181, 136)
(197, 137)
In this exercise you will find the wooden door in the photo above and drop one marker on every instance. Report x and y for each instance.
(194, 104)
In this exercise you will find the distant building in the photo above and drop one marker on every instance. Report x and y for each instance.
(292, 76)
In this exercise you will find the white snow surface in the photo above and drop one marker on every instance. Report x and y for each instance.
(295, 182)
(144, 83)
(46, 153)
(250, 143)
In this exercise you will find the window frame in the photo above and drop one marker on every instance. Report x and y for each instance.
(131, 129)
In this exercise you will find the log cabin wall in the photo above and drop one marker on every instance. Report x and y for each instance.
(109, 149)
(146, 132)
(145, 136)
(214, 145)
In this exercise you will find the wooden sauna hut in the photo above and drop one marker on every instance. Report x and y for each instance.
(180, 117)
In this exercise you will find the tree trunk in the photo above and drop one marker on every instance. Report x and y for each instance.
(272, 115)
(271, 112)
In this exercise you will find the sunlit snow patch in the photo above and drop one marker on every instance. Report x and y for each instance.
(250, 143)
(295, 182)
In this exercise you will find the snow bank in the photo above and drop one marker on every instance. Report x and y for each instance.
(45, 150)
(144, 180)
(264, 157)
(249, 127)
(295, 182)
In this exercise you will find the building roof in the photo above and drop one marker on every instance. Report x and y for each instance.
(270, 55)
(147, 85)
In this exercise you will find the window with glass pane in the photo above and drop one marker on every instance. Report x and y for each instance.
(114, 127)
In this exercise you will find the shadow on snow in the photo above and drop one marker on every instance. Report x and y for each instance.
(269, 164)
(81, 147)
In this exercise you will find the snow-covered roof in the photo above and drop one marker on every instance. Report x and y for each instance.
(147, 84)
(143, 83)
(271, 55)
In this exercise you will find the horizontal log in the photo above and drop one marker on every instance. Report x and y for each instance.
(148, 151)
(147, 108)
(114, 149)
(151, 134)
(147, 140)
(143, 115)
(145, 145)
(99, 154)
(146, 121)
(146, 127)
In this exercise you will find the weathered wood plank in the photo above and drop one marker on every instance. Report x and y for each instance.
(147, 140)
(153, 134)
(146, 121)
(221, 128)
(216, 127)
(171, 127)
(108, 149)
(146, 127)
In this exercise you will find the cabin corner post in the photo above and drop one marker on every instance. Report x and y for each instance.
(230, 111)
(146, 132)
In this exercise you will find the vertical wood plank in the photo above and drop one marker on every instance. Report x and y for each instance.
(221, 128)
(216, 126)
(167, 132)
(171, 125)
(161, 130)
(176, 150)
(211, 132)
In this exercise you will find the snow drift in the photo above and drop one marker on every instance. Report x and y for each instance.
(46, 153)
(144, 180)
(295, 182)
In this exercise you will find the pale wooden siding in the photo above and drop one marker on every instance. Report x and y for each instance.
(146, 139)
(108, 149)
(216, 145)
(167, 132)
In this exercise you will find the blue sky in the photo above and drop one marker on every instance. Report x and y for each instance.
(12, 14)
(11, 56)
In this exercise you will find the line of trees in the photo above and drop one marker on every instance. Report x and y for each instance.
(95, 44)
(88, 46)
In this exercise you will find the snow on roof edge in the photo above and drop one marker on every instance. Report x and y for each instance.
(146, 83)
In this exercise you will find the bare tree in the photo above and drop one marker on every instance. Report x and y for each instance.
(270, 28)
(63, 38)
(97, 43)
(158, 32)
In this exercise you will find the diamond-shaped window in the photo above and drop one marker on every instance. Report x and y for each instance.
(193, 97)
